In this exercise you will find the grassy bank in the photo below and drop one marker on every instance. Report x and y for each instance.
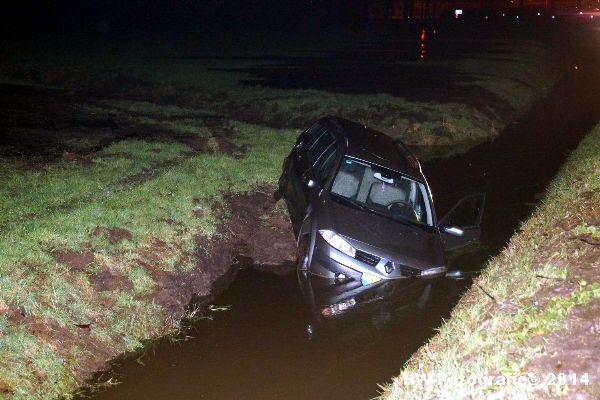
(481, 90)
(534, 310)
(91, 241)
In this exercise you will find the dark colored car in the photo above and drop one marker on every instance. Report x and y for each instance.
(362, 210)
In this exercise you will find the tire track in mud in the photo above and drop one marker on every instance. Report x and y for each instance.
(120, 129)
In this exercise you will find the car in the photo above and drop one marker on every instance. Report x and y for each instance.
(361, 208)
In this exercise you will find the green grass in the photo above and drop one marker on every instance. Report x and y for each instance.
(514, 70)
(484, 336)
(58, 207)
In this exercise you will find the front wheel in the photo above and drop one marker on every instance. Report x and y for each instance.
(302, 254)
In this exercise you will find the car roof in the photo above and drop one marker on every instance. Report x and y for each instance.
(369, 145)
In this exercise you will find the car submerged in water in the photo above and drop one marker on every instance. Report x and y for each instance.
(362, 210)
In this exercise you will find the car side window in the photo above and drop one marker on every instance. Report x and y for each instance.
(324, 165)
(321, 144)
(310, 135)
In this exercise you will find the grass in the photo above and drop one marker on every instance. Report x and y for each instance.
(58, 206)
(495, 335)
(508, 72)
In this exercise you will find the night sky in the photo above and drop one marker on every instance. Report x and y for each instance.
(118, 15)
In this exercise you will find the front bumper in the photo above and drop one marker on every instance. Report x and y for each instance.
(328, 262)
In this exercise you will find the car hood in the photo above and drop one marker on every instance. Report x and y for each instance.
(396, 241)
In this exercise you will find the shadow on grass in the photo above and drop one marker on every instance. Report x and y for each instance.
(393, 69)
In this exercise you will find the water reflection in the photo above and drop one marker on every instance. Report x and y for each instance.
(423, 48)
(366, 309)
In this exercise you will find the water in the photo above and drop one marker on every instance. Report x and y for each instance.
(273, 342)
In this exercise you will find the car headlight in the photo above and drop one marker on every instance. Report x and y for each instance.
(433, 271)
(337, 242)
(338, 308)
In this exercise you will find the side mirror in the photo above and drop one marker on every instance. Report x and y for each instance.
(454, 231)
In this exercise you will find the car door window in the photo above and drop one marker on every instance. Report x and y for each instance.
(467, 213)
(310, 135)
(324, 165)
(321, 144)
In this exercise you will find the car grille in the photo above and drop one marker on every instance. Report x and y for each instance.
(367, 258)
(408, 271)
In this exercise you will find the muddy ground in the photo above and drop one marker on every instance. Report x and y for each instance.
(255, 234)
(572, 350)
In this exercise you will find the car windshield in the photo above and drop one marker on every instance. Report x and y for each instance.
(382, 191)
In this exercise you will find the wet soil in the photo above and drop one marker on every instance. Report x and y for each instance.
(74, 259)
(253, 232)
(572, 350)
(262, 235)
(267, 344)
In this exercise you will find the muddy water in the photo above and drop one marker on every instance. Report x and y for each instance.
(268, 344)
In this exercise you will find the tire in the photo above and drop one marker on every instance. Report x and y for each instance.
(302, 254)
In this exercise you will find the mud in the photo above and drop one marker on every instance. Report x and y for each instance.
(114, 234)
(572, 350)
(62, 338)
(255, 234)
(76, 260)
(106, 280)
(228, 147)
(261, 233)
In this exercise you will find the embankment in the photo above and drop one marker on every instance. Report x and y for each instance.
(533, 312)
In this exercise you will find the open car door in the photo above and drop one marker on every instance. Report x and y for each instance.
(462, 225)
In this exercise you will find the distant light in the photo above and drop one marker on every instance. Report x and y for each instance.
(539, 14)
(517, 17)
(580, 12)
(504, 15)
(553, 17)
(486, 17)
(458, 12)
(576, 67)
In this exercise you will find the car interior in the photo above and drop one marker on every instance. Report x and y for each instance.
(402, 198)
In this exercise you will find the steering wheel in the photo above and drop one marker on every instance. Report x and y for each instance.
(403, 209)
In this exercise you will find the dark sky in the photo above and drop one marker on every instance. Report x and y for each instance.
(172, 15)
